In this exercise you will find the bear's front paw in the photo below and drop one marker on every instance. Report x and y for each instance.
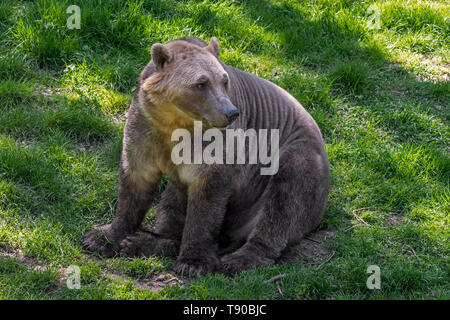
(138, 244)
(100, 240)
(197, 266)
(145, 244)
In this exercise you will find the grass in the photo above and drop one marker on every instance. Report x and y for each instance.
(380, 97)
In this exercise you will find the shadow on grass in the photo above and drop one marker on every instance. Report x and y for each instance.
(334, 50)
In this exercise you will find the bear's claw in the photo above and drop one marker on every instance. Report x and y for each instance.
(99, 240)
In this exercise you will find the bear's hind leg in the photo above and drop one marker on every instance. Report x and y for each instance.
(294, 203)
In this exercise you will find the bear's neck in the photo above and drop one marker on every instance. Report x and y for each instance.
(167, 118)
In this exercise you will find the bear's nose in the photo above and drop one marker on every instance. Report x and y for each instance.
(231, 113)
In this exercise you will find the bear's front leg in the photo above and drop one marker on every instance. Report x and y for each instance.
(136, 193)
(207, 201)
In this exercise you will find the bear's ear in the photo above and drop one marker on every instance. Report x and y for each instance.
(160, 55)
(213, 46)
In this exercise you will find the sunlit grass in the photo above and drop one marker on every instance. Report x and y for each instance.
(380, 97)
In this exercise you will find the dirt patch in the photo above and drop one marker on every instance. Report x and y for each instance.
(9, 253)
(313, 249)
(154, 283)
(6, 252)
(161, 281)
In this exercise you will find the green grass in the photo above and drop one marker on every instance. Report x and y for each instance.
(380, 96)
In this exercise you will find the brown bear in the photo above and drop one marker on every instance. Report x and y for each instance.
(215, 217)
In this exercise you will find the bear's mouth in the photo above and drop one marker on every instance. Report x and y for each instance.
(204, 119)
(220, 128)
(212, 126)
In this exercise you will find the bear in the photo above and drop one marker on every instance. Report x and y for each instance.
(216, 217)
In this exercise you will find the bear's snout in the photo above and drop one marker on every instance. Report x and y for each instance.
(230, 112)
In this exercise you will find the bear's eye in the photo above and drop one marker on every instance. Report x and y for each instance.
(202, 82)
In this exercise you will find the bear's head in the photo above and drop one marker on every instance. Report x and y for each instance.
(189, 81)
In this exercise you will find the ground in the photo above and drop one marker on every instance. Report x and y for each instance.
(379, 92)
